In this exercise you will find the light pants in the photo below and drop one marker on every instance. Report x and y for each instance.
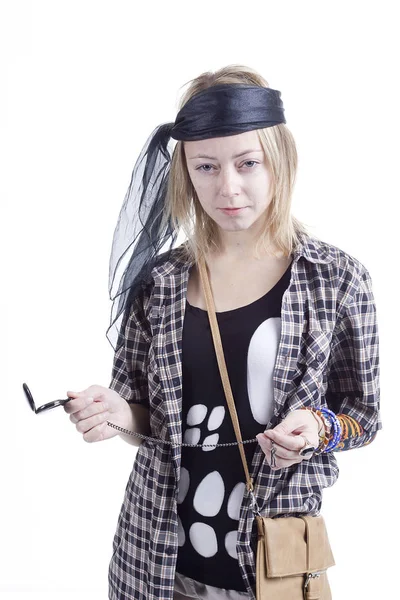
(189, 589)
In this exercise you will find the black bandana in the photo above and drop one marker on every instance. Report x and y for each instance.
(228, 110)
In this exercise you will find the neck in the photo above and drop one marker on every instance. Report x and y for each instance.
(241, 245)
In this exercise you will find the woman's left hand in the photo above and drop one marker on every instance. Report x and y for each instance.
(287, 441)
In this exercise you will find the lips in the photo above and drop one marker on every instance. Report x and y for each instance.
(232, 211)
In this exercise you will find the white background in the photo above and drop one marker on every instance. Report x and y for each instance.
(87, 82)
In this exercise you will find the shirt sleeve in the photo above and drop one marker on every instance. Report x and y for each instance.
(129, 371)
(353, 388)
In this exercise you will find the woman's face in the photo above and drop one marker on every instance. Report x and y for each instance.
(224, 180)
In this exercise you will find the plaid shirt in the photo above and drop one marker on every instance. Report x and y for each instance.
(327, 355)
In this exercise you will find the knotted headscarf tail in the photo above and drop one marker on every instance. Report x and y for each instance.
(139, 237)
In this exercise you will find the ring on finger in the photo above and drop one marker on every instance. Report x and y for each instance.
(307, 450)
(273, 453)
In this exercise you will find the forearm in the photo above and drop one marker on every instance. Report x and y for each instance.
(137, 420)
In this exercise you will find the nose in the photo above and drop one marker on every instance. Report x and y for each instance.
(229, 183)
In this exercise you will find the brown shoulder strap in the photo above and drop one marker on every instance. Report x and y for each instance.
(222, 365)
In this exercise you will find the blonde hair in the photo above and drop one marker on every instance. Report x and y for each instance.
(281, 228)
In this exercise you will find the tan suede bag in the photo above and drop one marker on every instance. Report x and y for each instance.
(293, 553)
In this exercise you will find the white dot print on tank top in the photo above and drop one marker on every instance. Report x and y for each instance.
(184, 482)
(196, 414)
(230, 543)
(181, 533)
(216, 417)
(209, 495)
(210, 439)
(192, 436)
(261, 360)
(235, 501)
(203, 539)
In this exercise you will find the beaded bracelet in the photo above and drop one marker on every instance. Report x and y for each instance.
(332, 426)
(337, 429)
(325, 430)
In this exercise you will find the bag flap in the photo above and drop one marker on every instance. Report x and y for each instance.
(296, 545)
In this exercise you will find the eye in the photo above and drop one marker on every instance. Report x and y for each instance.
(201, 167)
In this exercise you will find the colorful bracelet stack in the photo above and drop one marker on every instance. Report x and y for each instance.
(330, 438)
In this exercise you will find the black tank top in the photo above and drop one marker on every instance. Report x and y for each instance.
(212, 480)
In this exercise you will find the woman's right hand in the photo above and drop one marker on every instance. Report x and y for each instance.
(91, 408)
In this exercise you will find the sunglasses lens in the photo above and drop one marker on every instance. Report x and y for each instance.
(29, 397)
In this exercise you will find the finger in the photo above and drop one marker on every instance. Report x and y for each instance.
(87, 424)
(79, 403)
(70, 406)
(282, 457)
(93, 408)
(73, 395)
(281, 452)
(266, 443)
(291, 442)
(92, 390)
(96, 434)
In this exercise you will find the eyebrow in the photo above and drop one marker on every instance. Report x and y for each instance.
(213, 157)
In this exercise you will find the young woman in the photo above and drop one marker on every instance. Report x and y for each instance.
(298, 325)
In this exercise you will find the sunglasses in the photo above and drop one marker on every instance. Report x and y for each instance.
(44, 407)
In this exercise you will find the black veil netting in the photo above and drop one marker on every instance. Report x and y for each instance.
(141, 231)
(139, 235)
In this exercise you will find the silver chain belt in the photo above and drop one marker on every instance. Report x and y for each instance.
(253, 502)
(157, 440)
